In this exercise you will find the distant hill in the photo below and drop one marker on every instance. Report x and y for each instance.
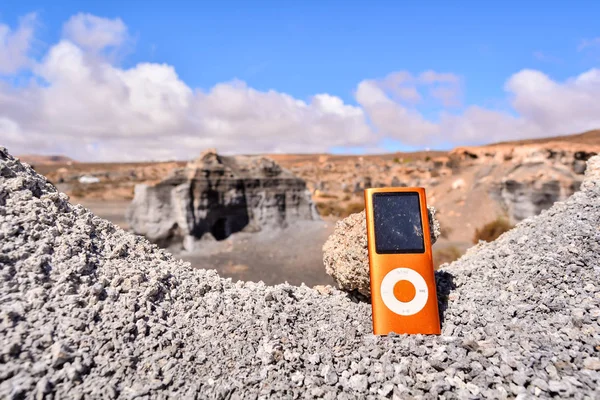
(36, 159)
(589, 137)
(318, 157)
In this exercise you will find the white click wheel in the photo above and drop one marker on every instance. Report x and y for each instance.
(405, 308)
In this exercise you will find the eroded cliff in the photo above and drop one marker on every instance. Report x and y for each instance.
(216, 196)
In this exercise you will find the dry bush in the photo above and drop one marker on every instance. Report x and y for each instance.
(327, 196)
(492, 230)
(354, 207)
(334, 208)
(446, 255)
(329, 208)
(347, 197)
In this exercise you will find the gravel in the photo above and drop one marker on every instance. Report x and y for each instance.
(90, 311)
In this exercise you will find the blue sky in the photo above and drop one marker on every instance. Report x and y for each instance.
(303, 48)
(307, 48)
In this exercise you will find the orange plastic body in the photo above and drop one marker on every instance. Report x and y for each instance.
(385, 321)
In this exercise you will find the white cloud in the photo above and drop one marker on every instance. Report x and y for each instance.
(477, 125)
(391, 118)
(429, 86)
(543, 107)
(14, 46)
(91, 109)
(448, 96)
(244, 118)
(554, 107)
(95, 33)
(390, 103)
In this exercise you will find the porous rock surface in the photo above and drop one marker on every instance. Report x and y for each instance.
(215, 196)
(346, 256)
(90, 311)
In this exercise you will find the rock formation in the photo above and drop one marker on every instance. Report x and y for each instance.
(470, 186)
(216, 196)
(345, 253)
(527, 179)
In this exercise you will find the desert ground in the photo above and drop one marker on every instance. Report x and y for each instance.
(293, 254)
(464, 185)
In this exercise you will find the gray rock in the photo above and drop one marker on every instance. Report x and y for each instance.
(592, 363)
(535, 184)
(579, 166)
(216, 196)
(60, 354)
(397, 182)
(359, 383)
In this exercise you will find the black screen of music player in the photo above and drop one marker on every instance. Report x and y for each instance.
(398, 225)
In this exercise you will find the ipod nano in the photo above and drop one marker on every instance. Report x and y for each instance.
(403, 291)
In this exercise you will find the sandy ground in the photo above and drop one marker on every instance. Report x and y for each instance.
(293, 254)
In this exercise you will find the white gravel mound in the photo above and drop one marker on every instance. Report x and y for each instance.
(90, 311)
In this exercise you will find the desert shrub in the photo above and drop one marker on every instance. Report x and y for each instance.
(492, 230)
(327, 196)
(396, 160)
(427, 158)
(354, 207)
(329, 208)
(446, 255)
(347, 197)
(334, 209)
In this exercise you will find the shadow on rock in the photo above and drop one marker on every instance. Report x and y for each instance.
(444, 282)
(358, 297)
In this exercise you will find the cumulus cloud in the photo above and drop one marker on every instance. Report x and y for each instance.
(15, 45)
(95, 33)
(391, 104)
(89, 108)
(554, 107)
(405, 87)
(392, 118)
(542, 107)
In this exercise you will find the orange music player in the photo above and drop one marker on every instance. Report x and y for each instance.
(403, 291)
